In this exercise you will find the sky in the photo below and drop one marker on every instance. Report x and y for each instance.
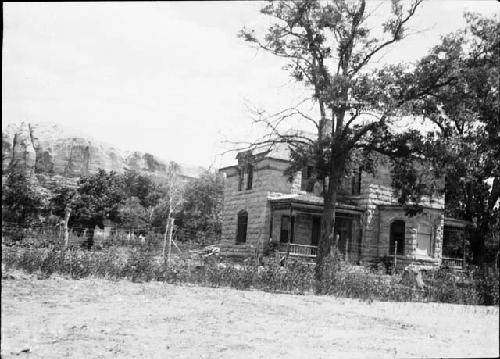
(168, 78)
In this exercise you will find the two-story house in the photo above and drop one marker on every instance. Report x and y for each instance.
(262, 206)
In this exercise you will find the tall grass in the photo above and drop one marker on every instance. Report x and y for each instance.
(142, 264)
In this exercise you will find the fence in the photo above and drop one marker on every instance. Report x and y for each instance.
(45, 235)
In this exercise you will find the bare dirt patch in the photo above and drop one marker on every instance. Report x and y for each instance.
(97, 318)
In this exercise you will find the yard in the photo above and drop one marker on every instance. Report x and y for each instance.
(93, 318)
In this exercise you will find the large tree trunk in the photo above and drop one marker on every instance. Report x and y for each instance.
(326, 241)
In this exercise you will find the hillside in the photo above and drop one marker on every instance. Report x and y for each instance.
(54, 150)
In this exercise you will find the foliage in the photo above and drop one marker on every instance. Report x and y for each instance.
(201, 209)
(62, 197)
(132, 214)
(21, 203)
(142, 187)
(130, 200)
(142, 264)
(327, 46)
(465, 113)
(97, 199)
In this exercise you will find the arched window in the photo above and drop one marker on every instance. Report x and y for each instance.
(241, 234)
(397, 235)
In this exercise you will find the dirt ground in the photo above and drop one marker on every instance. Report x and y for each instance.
(96, 318)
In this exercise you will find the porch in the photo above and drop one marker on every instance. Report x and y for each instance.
(298, 250)
(455, 238)
(295, 226)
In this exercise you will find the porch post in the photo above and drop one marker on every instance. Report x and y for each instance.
(463, 248)
(289, 229)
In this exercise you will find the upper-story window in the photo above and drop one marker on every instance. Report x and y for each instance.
(307, 179)
(356, 183)
(249, 176)
(241, 178)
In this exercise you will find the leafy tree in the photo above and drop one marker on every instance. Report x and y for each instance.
(466, 144)
(132, 214)
(142, 187)
(62, 196)
(202, 204)
(328, 46)
(20, 202)
(98, 198)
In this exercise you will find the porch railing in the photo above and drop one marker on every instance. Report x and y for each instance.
(299, 250)
(452, 262)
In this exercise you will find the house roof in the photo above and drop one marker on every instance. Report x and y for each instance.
(279, 151)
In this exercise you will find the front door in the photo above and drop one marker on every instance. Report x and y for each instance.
(343, 227)
(316, 230)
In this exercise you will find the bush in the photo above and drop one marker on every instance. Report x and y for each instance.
(141, 264)
(486, 285)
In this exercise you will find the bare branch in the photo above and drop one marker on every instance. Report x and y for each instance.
(396, 37)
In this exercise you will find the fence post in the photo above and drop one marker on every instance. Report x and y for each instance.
(395, 250)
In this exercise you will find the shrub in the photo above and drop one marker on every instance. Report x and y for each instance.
(486, 284)
(142, 264)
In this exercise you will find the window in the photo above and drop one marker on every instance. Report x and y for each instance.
(286, 232)
(250, 176)
(424, 240)
(241, 235)
(307, 179)
(241, 178)
(397, 235)
(356, 183)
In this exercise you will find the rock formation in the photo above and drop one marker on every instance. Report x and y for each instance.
(50, 149)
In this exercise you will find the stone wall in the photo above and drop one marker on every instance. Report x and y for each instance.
(267, 176)
(430, 221)
(376, 191)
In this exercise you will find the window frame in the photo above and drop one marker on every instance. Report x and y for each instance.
(356, 182)
(241, 178)
(400, 250)
(289, 229)
(242, 222)
(250, 171)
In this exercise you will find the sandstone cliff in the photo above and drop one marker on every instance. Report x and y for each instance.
(51, 149)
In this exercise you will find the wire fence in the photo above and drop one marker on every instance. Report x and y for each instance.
(42, 235)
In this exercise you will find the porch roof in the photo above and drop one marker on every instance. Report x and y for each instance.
(456, 223)
(307, 202)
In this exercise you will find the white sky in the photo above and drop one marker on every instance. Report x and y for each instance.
(171, 79)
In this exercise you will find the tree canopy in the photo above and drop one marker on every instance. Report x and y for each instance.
(328, 46)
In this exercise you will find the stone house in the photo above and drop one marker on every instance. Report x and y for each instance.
(261, 206)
